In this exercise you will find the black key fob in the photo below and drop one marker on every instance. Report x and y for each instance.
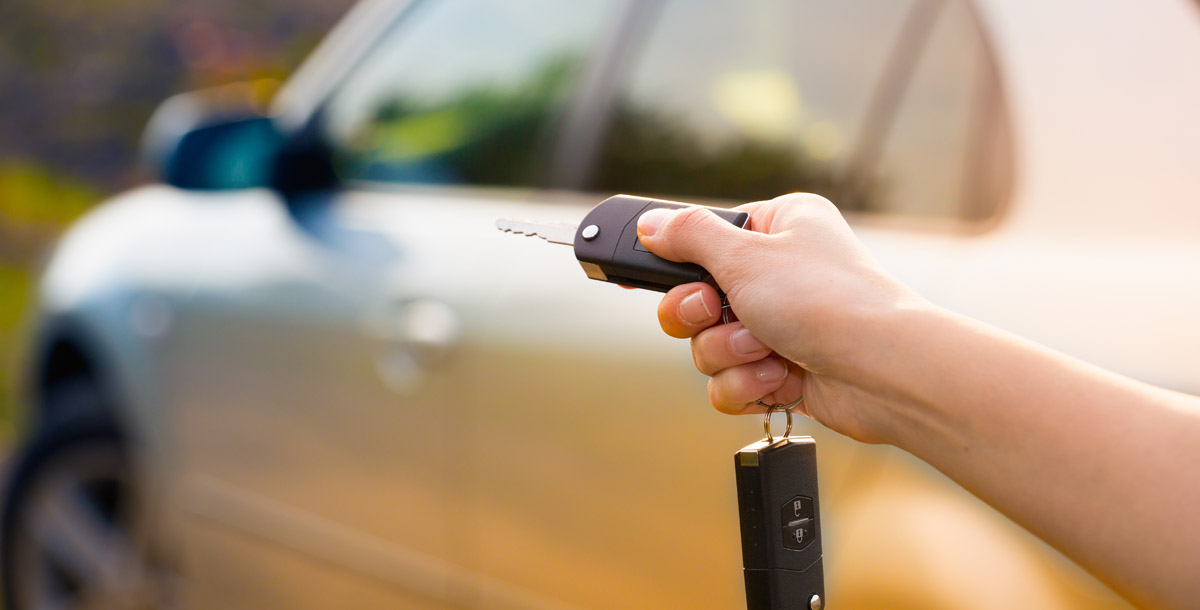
(607, 246)
(779, 510)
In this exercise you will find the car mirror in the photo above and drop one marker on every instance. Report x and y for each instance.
(214, 139)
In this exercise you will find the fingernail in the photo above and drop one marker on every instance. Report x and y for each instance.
(693, 309)
(771, 370)
(744, 343)
(649, 222)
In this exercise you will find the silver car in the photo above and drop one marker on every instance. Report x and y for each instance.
(306, 371)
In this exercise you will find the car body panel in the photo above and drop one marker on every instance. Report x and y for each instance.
(549, 447)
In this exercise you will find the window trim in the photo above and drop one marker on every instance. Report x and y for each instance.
(887, 97)
(991, 166)
(299, 102)
(990, 170)
(574, 154)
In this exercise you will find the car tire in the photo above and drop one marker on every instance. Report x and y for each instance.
(70, 534)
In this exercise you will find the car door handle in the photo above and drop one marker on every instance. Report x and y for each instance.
(413, 337)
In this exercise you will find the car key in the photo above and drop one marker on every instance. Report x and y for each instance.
(776, 478)
(779, 510)
(607, 246)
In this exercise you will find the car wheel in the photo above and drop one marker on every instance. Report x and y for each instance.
(70, 535)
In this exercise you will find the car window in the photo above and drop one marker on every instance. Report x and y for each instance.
(746, 100)
(462, 91)
(931, 155)
(749, 100)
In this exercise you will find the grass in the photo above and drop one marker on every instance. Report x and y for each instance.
(15, 286)
(36, 205)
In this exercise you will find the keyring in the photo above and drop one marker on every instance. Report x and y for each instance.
(787, 410)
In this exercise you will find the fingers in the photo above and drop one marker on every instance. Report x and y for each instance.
(724, 346)
(742, 369)
(692, 234)
(689, 309)
(734, 390)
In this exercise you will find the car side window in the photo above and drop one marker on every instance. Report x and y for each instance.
(750, 100)
(746, 100)
(946, 148)
(462, 91)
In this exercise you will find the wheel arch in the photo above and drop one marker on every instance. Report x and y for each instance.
(66, 357)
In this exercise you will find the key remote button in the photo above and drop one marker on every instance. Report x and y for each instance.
(799, 534)
(800, 507)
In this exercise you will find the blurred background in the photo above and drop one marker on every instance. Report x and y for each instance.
(295, 395)
(78, 81)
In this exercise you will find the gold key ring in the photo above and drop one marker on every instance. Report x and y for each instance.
(787, 410)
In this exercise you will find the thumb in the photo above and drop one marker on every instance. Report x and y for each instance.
(691, 235)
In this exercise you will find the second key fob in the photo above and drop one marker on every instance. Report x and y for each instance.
(779, 510)
(607, 245)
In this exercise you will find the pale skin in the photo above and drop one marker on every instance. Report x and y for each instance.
(1102, 467)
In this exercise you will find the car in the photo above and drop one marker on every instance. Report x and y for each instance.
(304, 369)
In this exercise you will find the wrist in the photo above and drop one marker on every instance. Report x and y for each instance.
(885, 354)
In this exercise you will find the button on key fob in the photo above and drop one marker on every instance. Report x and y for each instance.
(778, 506)
(607, 246)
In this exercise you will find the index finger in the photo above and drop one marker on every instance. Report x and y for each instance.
(688, 309)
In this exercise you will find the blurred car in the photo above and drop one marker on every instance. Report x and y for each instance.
(306, 371)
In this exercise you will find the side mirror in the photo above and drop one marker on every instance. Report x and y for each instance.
(214, 139)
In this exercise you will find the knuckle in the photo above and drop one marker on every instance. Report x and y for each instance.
(733, 385)
(721, 399)
(702, 354)
(690, 219)
(807, 199)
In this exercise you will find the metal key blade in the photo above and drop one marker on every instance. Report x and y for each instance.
(553, 232)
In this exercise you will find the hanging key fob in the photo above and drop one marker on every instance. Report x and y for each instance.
(607, 246)
(779, 509)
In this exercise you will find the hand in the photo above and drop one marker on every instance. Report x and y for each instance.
(1058, 445)
(809, 297)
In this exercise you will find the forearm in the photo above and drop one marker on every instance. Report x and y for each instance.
(1100, 466)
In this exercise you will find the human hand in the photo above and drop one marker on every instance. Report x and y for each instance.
(1044, 438)
(812, 307)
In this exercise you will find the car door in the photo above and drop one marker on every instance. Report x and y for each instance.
(873, 104)
(602, 477)
(286, 420)
(323, 402)
(458, 413)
